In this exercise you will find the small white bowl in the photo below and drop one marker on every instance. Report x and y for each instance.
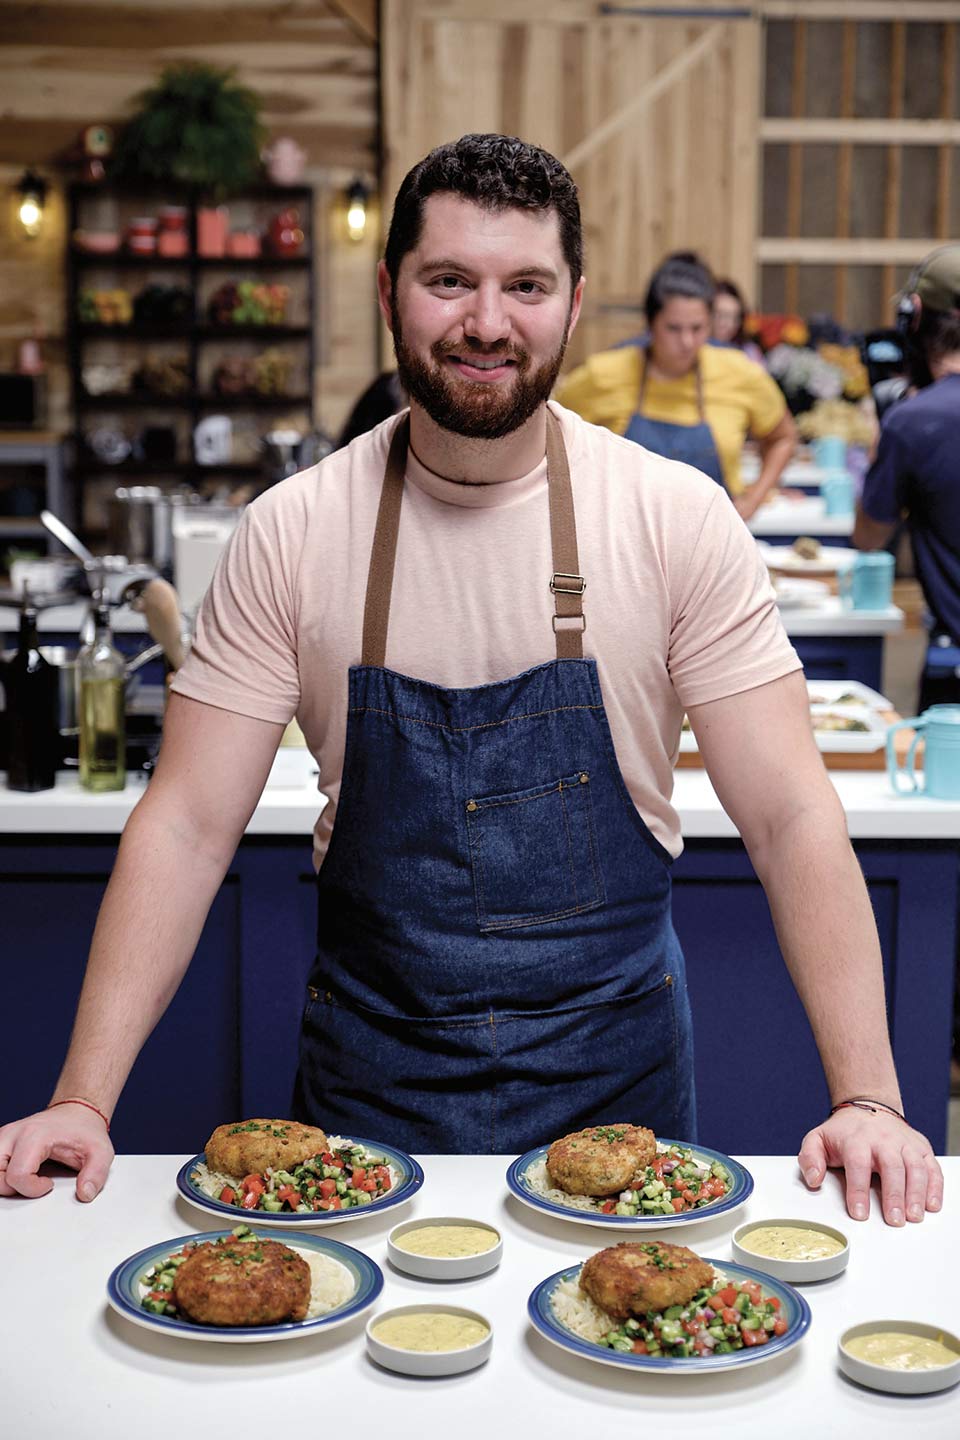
(795, 1272)
(899, 1382)
(443, 1267)
(429, 1362)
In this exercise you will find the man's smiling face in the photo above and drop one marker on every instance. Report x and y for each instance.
(481, 314)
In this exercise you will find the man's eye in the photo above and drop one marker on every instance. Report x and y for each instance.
(528, 287)
(448, 282)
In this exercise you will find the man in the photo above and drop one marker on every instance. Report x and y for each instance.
(496, 962)
(917, 468)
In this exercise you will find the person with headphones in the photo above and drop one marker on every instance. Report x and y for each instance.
(916, 473)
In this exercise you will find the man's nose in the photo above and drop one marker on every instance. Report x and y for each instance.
(486, 320)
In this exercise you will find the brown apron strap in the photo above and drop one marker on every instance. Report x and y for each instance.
(376, 610)
(566, 583)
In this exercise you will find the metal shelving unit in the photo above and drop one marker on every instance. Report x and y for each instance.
(194, 334)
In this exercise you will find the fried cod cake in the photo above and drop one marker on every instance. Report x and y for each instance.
(243, 1282)
(249, 1147)
(632, 1278)
(602, 1160)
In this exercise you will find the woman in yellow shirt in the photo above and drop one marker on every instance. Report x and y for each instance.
(683, 398)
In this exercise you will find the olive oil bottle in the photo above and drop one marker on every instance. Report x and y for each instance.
(103, 742)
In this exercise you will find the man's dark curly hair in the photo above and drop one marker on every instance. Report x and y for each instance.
(498, 172)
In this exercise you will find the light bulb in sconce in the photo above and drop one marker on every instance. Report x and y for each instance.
(357, 197)
(31, 190)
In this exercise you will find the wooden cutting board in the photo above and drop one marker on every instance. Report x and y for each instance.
(839, 759)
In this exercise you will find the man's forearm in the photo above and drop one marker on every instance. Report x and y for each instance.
(149, 923)
(828, 936)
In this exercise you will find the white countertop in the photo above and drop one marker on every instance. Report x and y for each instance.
(798, 472)
(69, 618)
(831, 617)
(804, 516)
(873, 811)
(75, 1369)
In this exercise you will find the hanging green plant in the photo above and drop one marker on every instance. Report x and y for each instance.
(195, 127)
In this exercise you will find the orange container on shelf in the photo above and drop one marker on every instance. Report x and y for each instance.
(213, 226)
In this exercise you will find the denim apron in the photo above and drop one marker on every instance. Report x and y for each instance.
(693, 444)
(496, 960)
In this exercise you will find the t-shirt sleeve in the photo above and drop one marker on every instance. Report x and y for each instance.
(244, 653)
(882, 497)
(765, 401)
(726, 633)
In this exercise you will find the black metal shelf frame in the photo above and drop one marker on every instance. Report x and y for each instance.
(195, 403)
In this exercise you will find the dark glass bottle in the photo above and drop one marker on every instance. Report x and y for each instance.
(31, 686)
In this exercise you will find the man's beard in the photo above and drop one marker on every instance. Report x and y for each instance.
(473, 408)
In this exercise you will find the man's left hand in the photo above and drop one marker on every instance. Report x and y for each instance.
(864, 1143)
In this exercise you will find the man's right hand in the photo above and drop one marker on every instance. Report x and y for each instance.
(70, 1134)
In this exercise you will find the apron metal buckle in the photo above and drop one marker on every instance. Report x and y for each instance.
(568, 622)
(575, 589)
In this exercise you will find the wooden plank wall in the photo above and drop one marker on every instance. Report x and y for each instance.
(680, 173)
(67, 63)
(860, 142)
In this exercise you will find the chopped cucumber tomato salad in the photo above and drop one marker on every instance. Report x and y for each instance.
(159, 1279)
(335, 1180)
(714, 1322)
(674, 1183)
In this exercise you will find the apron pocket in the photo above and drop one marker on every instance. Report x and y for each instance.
(534, 854)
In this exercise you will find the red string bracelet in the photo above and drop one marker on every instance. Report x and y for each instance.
(75, 1101)
(866, 1102)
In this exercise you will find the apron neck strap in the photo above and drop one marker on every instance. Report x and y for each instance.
(566, 583)
(643, 385)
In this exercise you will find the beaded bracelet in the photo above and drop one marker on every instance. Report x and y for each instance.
(75, 1100)
(867, 1102)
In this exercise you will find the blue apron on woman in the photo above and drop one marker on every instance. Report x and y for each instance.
(693, 444)
(496, 962)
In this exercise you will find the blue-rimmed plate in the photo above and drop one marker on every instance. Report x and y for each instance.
(518, 1182)
(125, 1290)
(793, 1308)
(409, 1178)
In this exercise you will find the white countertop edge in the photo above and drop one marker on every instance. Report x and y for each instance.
(831, 617)
(873, 812)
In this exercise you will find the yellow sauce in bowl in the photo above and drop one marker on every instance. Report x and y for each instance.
(898, 1350)
(447, 1241)
(790, 1242)
(430, 1331)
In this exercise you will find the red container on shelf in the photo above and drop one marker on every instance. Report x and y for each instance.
(173, 244)
(144, 225)
(173, 218)
(142, 244)
(243, 244)
(213, 225)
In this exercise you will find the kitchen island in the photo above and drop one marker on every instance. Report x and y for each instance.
(73, 1367)
(227, 1045)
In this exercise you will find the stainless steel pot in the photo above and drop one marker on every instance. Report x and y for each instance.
(140, 519)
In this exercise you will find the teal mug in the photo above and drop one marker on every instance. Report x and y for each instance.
(867, 583)
(939, 728)
(836, 490)
(830, 452)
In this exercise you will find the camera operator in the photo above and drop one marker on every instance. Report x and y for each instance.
(916, 473)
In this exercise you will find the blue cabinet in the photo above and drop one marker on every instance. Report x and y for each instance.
(227, 1046)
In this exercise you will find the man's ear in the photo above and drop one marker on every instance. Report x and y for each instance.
(575, 304)
(385, 294)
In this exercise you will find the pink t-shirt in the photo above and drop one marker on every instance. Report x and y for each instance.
(678, 604)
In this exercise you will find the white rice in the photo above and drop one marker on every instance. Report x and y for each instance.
(211, 1182)
(578, 1313)
(331, 1284)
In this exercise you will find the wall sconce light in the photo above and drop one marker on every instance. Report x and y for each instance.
(32, 191)
(358, 196)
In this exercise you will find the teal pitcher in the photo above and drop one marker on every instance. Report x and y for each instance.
(939, 728)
